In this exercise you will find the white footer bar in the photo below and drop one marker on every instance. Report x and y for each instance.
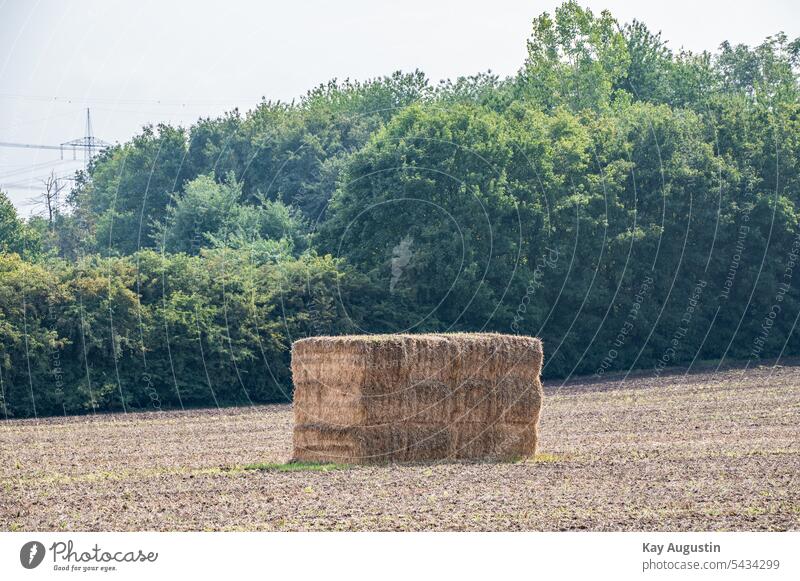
(353, 556)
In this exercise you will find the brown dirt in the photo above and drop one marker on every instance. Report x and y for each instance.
(708, 451)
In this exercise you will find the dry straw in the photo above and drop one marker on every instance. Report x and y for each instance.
(381, 398)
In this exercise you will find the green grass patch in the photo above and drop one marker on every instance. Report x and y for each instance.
(545, 457)
(542, 457)
(296, 467)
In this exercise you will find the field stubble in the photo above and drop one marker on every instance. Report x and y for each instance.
(707, 451)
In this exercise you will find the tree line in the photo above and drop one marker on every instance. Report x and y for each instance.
(634, 206)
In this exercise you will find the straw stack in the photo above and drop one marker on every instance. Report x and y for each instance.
(382, 398)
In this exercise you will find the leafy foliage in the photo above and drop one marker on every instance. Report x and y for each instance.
(633, 206)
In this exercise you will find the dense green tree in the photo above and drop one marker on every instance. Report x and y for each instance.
(208, 211)
(16, 235)
(129, 188)
(153, 331)
(11, 227)
(426, 209)
(575, 58)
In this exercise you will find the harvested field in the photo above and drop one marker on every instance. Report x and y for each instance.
(708, 451)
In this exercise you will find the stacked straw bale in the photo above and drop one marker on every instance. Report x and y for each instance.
(381, 398)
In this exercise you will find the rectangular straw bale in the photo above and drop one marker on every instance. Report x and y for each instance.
(379, 398)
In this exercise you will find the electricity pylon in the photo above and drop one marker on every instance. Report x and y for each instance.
(89, 143)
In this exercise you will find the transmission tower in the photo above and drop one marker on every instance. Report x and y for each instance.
(88, 143)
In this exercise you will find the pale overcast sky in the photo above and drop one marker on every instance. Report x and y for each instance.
(135, 62)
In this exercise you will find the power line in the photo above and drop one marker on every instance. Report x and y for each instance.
(32, 146)
(166, 102)
(30, 168)
(38, 188)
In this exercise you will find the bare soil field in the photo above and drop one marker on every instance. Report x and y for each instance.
(705, 451)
